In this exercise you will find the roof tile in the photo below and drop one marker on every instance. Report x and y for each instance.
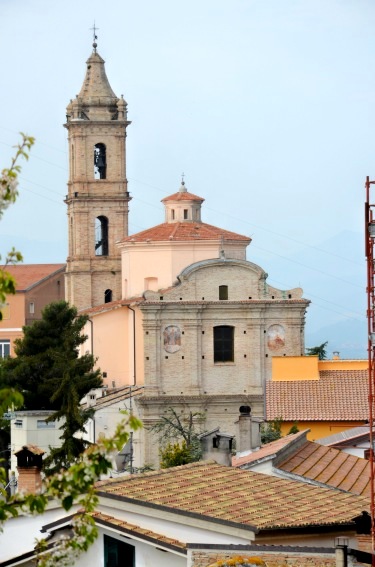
(185, 231)
(339, 395)
(246, 498)
(329, 466)
(27, 275)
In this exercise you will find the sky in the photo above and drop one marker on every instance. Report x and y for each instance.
(266, 106)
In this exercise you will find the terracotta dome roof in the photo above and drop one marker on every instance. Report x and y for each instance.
(184, 231)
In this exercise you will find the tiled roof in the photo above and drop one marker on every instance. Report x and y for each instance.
(28, 275)
(148, 535)
(351, 436)
(110, 306)
(117, 395)
(184, 231)
(183, 196)
(337, 396)
(232, 496)
(34, 449)
(268, 450)
(329, 466)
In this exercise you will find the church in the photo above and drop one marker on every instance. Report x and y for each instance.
(176, 309)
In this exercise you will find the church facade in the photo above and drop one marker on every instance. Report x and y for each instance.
(176, 308)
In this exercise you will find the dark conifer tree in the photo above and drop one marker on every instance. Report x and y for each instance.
(51, 375)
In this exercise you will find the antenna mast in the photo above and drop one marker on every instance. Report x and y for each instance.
(370, 255)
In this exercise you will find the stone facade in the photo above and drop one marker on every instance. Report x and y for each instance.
(98, 196)
(278, 558)
(180, 348)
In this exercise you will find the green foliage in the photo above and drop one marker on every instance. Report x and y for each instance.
(271, 430)
(173, 428)
(73, 487)
(320, 351)
(173, 455)
(48, 361)
(51, 375)
(8, 195)
(293, 429)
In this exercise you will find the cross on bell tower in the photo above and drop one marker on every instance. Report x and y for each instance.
(98, 195)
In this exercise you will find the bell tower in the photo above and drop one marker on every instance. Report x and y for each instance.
(98, 198)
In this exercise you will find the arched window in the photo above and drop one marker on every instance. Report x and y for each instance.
(224, 343)
(100, 161)
(101, 236)
(107, 296)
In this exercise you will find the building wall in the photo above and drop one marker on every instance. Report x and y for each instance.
(30, 427)
(192, 309)
(320, 429)
(47, 291)
(17, 311)
(180, 370)
(308, 367)
(110, 337)
(156, 265)
(279, 558)
(13, 319)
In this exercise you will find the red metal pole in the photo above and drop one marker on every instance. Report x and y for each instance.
(369, 239)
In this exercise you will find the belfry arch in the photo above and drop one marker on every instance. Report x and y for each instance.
(100, 161)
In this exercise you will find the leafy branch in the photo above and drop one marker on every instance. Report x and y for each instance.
(8, 195)
(74, 487)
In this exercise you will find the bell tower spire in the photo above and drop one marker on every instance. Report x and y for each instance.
(98, 197)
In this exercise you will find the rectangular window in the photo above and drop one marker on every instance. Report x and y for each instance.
(223, 292)
(18, 423)
(224, 344)
(185, 214)
(42, 424)
(117, 553)
(5, 311)
(32, 308)
(4, 348)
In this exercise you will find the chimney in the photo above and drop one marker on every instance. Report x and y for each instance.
(29, 466)
(249, 431)
(217, 446)
(335, 355)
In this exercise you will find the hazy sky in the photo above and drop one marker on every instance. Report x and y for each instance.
(267, 106)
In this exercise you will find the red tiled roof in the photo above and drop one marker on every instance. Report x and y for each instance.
(149, 535)
(329, 466)
(110, 306)
(184, 231)
(28, 275)
(250, 500)
(339, 395)
(183, 196)
(269, 449)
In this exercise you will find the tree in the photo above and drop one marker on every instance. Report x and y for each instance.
(76, 485)
(51, 375)
(174, 454)
(320, 351)
(271, 430)
(294, 429)
(172, 429)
